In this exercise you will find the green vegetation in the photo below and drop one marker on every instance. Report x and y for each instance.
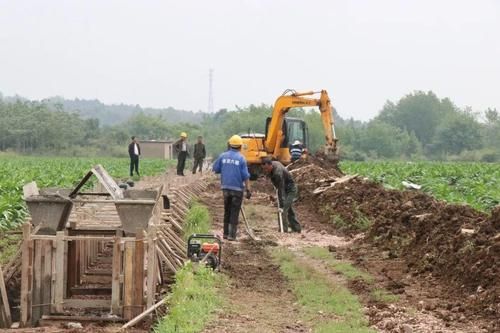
(9, 245)
(383, 296)
(477, 184)
(418, 126)
(198, 220)
(359, 223)
(193, 300)
(195, 295)
(351, 273)
(16, 171)
(321, 297)
(343, 267)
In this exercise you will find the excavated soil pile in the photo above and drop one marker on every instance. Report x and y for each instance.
(454, 242)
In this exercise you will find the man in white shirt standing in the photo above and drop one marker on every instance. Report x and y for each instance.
(134, 151)
(182, 150)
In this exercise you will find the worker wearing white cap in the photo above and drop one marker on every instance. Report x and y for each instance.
(182, 150)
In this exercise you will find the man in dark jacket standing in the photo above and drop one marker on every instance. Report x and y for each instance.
(199, 154)
(134, 151)
(287, 191)
(181, 148)
(232, 167)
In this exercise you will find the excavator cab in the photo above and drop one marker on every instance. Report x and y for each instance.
(293, 129)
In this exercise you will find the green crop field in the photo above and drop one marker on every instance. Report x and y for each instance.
(477, 184)
(16, 171)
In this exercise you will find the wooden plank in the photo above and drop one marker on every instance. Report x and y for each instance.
(59, 284)
(37, 283)
(78, 303)
(96, 279)
(7, 319)
(151, 268)
(53, 276)
(72, 265)
(26, 277)
(46, 291)
(81, 291)
(108, 182)
(128, 281)
(138, 273)
(54, 320)
(115, 281)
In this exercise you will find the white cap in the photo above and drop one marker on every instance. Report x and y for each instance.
(296, 142)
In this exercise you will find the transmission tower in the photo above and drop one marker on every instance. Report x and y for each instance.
(210, 91)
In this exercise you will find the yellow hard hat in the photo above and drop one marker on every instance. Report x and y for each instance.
(184, 135)
(235, 141)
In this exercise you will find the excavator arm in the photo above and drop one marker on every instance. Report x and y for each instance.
(291, 99)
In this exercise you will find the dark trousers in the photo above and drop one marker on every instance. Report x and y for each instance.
(288, 212)
(181, 162)
(134, 164)
(232, 206)
(197, 163)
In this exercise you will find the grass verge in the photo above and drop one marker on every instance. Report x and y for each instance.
(193, 300)
(328, 307)
(351, 273)
(198, 220)
(343, 267)
(195, 295)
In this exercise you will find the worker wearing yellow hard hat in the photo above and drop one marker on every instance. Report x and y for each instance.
(181, 148)
(232, 167)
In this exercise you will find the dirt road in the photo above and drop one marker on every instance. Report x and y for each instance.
(260, 299)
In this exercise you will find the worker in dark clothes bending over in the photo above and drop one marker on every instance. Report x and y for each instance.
(232, 167)
(134, 151)
(287, 191)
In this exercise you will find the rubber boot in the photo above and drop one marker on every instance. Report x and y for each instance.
(226, 231)
(232, 232)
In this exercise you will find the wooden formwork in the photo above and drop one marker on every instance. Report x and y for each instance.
(55, 270)
(91, 265)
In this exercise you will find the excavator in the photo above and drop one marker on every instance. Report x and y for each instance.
(281, 131)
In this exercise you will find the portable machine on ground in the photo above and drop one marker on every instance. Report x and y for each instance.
(208, 252)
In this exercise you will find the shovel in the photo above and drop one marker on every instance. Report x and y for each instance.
(280, 213)
(247, 226)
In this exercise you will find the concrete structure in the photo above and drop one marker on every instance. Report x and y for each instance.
(157, 149)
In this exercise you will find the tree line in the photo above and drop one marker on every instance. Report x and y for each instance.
(418, 126)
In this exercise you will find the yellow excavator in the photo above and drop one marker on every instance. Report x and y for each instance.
(281, 131)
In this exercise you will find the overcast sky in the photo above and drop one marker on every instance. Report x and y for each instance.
(158, 53)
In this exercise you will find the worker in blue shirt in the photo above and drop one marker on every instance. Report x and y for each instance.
(232, 167)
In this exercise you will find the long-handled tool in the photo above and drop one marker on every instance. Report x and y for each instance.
(280, 213)
(247, 226)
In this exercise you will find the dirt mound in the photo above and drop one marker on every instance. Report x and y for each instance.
(454, 242)
(319, 160)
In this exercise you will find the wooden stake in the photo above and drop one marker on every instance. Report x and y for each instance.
(139, 273)
(7, 319)
(115, 281)
(151, 268)
(59, 284)
(128, 281)
(26, 277)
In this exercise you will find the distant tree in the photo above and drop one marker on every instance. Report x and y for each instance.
(458, 132)
(384, 140)
(419, 113)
